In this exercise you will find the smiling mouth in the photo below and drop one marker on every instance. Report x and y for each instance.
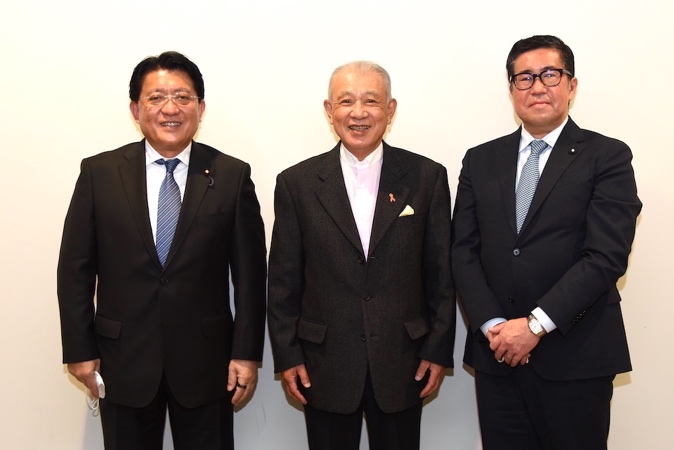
(359, 127)
(170, 124)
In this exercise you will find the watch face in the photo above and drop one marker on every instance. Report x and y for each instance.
(535, 326)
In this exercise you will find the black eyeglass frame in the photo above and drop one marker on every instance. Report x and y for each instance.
(562, 72)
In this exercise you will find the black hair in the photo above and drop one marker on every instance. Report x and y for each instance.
(536, 42)
(171, 61)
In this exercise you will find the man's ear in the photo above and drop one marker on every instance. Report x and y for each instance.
(133, 106)
(392, 105)
(328, 109)
(573, 86)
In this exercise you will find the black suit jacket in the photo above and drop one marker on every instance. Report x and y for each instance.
(150, 320)
(341, 314)
(571, 251)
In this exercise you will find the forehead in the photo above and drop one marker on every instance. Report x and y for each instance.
(167, 79)
(355, 82)
(539, 59)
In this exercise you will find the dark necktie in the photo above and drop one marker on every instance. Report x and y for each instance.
(528, 182)
(168, 210)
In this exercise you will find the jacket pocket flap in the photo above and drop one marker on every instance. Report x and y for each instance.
(416, 328)
(107, 327)
(311, 331)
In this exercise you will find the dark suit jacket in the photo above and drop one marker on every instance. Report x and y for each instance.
(572, 249)
(341, 314)
(150, 320)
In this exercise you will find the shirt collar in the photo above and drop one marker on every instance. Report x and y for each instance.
(373, 158)
(151, 155)
(550, 138)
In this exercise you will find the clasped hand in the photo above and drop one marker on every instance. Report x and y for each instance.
(512, 341)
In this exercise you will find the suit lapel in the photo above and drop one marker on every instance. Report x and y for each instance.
(195, 190)
(134, 175)
(565, 151)
(332, 195)
(388, 207)
(506, 167)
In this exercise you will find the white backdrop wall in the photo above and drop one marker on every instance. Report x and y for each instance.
(64, 74)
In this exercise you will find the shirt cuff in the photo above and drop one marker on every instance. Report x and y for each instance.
(490, 323)
(544, 319)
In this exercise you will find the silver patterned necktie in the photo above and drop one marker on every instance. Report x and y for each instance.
(528, 182)
(168, 210)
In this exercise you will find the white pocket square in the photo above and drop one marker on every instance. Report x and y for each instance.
(408, 211)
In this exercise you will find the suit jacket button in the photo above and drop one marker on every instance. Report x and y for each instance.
(362, 337)
(516, 252)
(511, 300)
(361, 259)
(164, 280)
(366, 297)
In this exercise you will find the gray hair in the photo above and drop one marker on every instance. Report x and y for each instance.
(363, 67)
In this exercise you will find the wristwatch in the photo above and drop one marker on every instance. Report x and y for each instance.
(535, 326)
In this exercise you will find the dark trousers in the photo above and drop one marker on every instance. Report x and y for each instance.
(525, 411)
(208, 427)
(386, 431)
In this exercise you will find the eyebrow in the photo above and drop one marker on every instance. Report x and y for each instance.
(541, 70)
(351, 94)
(164, 91)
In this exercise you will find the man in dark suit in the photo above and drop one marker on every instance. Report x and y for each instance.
(361, 300)
(538, 282)
(156, 245)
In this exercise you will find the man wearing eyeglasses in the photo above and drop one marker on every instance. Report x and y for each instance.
(153, 230)
(543, 224)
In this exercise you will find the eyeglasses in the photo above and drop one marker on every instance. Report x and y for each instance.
(549, 78)
(158, 99)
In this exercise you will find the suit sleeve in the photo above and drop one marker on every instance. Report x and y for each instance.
(439, 291)
(285, 281)
(477, 297)
(248, 267)
(609, 230)
(76, 274)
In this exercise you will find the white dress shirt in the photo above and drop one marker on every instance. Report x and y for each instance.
(362, 184)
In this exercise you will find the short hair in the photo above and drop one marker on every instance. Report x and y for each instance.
(363, 67)
(171, 61)
(536, 42)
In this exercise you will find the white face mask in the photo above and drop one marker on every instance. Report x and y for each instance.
(93, 403)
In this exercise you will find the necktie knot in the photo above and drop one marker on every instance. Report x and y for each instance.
(170, 164)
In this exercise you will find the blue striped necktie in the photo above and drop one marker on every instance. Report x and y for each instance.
(528, 182)
(168, 210)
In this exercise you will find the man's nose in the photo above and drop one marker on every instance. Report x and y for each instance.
(538, 85)
(358, 110)
(170, 107)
